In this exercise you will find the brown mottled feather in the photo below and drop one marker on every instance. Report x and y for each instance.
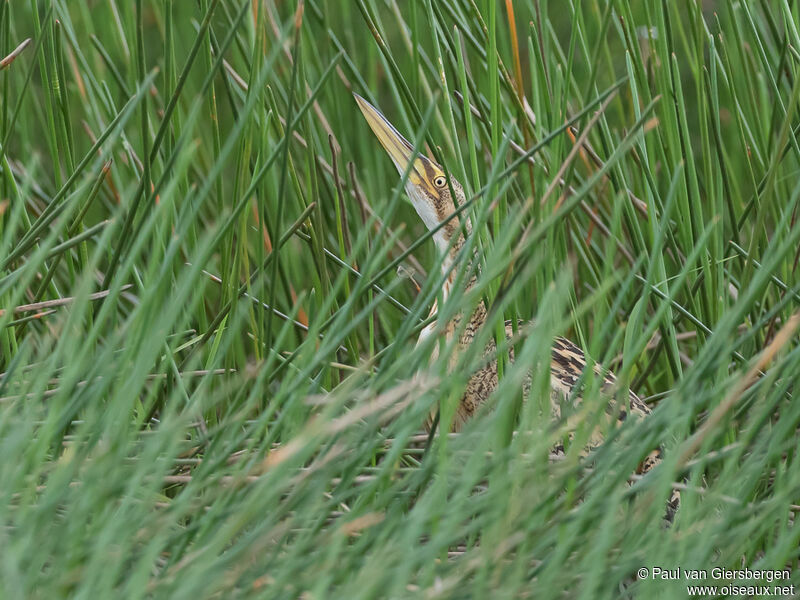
(567, 365)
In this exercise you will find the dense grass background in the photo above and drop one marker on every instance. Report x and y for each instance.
(209, 291)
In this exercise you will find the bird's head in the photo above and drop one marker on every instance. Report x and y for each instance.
(427, 185)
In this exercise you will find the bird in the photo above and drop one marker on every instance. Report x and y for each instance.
(435, 196)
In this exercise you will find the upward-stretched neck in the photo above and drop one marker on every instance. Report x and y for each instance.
(453, 253)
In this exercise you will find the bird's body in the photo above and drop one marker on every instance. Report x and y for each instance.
(431, 193)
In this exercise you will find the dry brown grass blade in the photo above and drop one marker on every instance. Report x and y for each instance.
(6, 62)
(781, 339)
(47, 304)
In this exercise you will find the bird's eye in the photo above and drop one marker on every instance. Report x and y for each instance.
(440, 182)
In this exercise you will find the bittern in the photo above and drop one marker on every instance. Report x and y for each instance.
(432, 194)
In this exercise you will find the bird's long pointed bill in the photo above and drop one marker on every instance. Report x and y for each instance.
(398, 147)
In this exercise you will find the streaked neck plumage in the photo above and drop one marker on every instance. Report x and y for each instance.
(434, 209)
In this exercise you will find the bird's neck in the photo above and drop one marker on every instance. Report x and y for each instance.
(452, 255)
(450, 271)
(452, 252)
